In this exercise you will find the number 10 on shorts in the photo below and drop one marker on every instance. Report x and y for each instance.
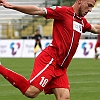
(43, 81)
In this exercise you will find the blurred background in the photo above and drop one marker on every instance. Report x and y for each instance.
(17, 50)
(16, 25)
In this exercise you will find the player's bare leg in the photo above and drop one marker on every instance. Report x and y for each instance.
(32, 92)
(61, 93)
(19, 82)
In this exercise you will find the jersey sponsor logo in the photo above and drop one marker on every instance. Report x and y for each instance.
(77, 26)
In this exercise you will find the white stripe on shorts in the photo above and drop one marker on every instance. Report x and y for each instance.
(42, 70)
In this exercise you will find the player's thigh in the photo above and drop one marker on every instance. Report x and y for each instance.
(61, 93)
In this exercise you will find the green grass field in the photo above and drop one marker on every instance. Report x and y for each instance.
(84, 77)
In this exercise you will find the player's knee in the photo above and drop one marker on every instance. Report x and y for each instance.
(62, 94)
(66, 98)
(63, 98)
(32, 92)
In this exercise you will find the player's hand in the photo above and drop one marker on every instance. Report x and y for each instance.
(1, 2)
(5, 4)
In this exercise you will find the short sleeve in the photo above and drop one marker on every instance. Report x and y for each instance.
(55, 12)
(86, 26)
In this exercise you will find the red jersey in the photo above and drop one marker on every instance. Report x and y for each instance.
(67, 29)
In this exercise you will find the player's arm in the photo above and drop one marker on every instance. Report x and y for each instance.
(28, 9)
(95, 29)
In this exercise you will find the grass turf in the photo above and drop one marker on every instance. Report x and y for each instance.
(84, 77)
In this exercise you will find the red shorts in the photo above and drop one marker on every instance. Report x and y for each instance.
(46, 75)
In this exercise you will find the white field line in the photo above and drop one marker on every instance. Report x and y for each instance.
(81, 82)
(87, 82)
(70, 82)
(84, 74)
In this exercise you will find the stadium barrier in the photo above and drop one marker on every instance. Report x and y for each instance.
(24, 48)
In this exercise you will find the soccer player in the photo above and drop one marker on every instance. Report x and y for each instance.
(97, 48)
(49, 73)
(37, 38)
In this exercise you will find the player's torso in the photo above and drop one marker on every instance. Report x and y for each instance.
(67, 29)
(66, 35)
